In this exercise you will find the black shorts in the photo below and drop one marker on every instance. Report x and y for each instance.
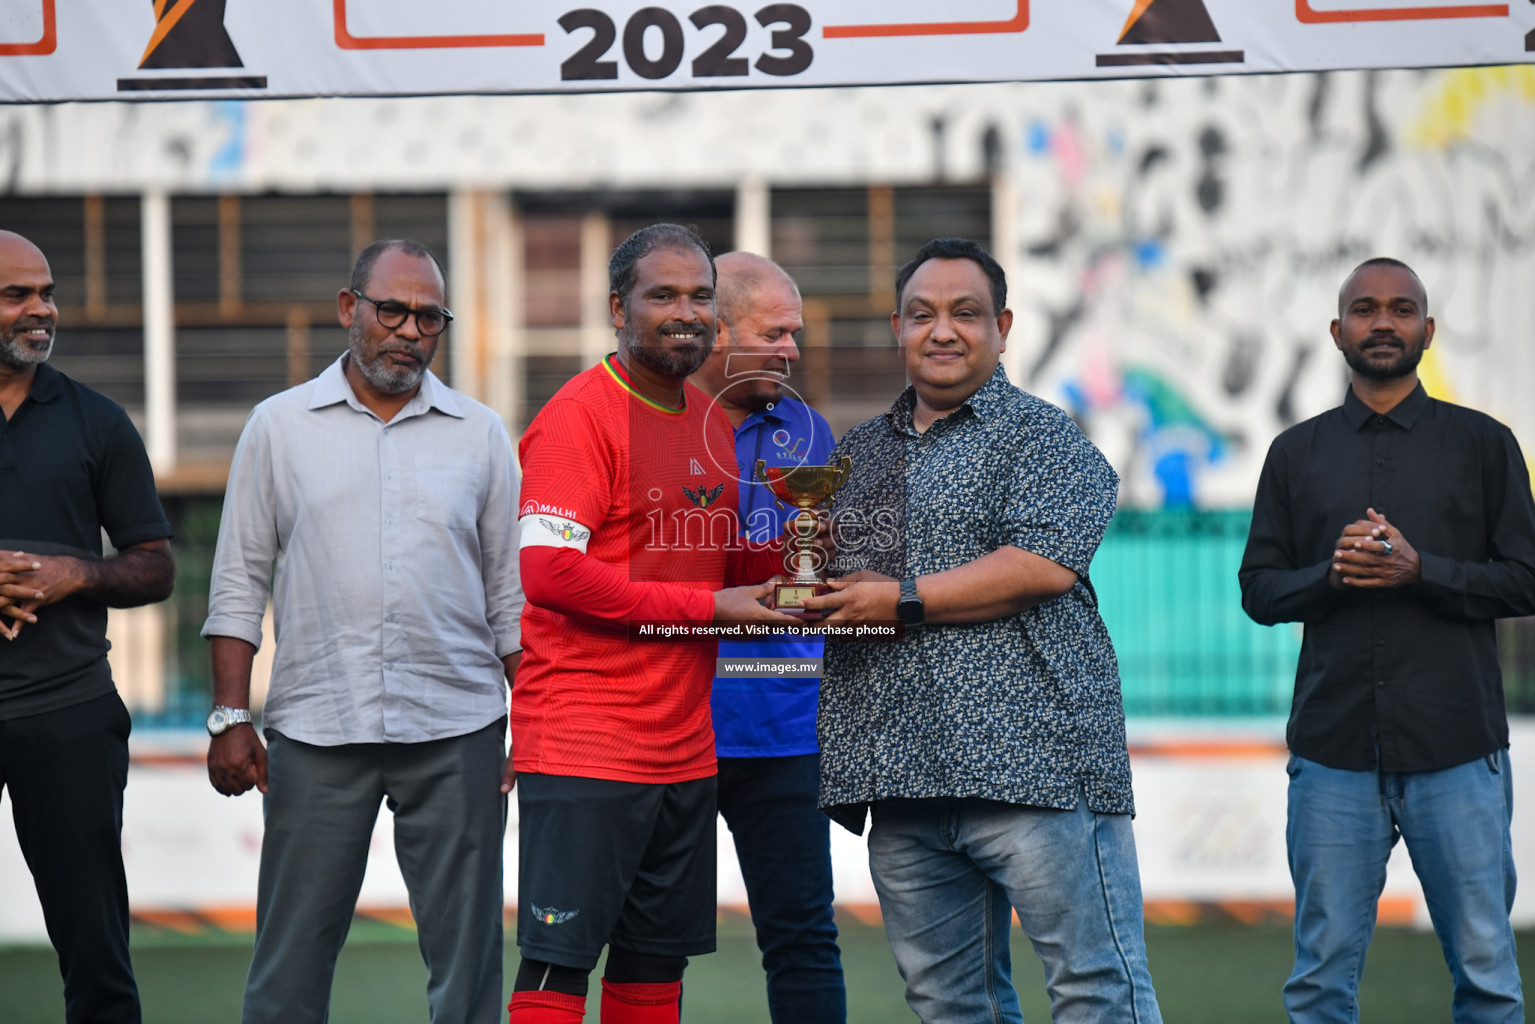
(627, 863)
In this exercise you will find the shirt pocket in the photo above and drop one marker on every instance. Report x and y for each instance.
(448, 492)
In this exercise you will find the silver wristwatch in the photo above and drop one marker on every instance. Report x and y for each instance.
(221, 718)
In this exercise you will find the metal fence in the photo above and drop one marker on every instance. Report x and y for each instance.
(1167, 587)
(1167, 584)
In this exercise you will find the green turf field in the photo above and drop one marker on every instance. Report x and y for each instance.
(1205, 974)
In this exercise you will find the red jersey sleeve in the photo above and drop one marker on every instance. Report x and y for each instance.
(566, 581)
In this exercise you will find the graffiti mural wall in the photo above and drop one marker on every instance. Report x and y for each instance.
(1183, 247)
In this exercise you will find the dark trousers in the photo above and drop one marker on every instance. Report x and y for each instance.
(784, 845)
(66, 771)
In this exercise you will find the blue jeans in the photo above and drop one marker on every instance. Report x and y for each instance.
(784, 846)
(950, 871)
(1342, 826)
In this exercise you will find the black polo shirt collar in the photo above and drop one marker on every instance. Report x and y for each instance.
(1404, 413)
(46, 386)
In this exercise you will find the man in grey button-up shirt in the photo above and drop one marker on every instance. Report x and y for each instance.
(376, 507)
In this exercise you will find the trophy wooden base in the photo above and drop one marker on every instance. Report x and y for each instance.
(789, 598)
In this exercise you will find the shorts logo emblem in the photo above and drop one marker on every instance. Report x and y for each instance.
(549, 915)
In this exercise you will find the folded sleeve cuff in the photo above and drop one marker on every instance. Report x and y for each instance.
(235, 626)
(1054, 545)
(509, 644)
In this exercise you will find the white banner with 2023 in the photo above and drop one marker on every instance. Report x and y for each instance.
(157, 49)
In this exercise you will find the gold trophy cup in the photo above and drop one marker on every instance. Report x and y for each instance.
(807, 488)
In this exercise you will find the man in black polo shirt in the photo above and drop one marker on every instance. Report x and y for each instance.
(71, 465)
(1398, 528)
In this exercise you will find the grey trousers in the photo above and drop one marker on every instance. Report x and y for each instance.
(449, 823)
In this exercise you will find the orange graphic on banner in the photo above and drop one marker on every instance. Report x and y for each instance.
(1169, 21)
(163, 25)
(190, 34)
(1017, 23)
(347, 41)
(1309, 15)
(1135, 15)
(44, 46)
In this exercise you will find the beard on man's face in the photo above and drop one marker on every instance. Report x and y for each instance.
(668, 360)
(1408, 353)
(19, 349)
(384, 377)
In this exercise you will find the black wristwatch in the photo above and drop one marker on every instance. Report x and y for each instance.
(909, 608)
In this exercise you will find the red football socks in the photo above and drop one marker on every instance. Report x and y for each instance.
(546, 1008)
(656, 1003)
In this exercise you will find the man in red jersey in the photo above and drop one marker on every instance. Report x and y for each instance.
(629, 502)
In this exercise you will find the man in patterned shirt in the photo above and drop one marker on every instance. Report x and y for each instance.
(989, 743)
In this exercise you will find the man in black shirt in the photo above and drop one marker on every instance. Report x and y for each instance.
(71, 465)
(1397, 528)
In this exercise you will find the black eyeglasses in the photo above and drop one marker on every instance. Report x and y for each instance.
(429, 322)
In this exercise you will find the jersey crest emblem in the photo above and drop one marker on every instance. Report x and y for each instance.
(564, 530)
(704, 498)
(548, 915)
